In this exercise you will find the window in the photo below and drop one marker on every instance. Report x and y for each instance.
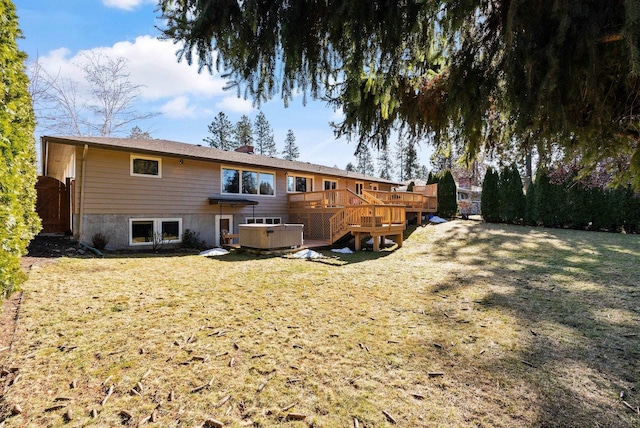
(359, 187)
(264, 220)
(147, 231)
(297, 183)
(143, 166)
(330, 185)
(248, 182)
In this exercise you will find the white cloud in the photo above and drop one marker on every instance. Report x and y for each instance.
(125, 4)
(152, 63)
(235, 104)
(178, 108)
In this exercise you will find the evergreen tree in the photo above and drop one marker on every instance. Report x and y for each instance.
(221, 133)
(350, 167)
(18, 219)
(411, 163)
(447, 195)
(365, 161)
(631, 213)
(264, 142)
(512, 200)
(399, 153)
(138, 134)
(385, 166)
(423, 172)
(291, 151)
(417, 66)
(243, 132)
(490, 200)
(549, 200)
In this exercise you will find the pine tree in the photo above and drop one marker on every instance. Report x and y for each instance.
(291, 151)
(350, 167)
(490, 200)
(243, 132)
(18, 219)
(221, 133)
(264, 142)
(411, 163)
(139, 134)
(563, 70)
(365, 161)
(399, 153)
(385, 166)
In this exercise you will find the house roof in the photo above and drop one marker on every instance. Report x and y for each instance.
(193, 151)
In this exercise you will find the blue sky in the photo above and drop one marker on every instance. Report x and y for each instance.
(59, 32)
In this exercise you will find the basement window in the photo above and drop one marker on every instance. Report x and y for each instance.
(147, 231)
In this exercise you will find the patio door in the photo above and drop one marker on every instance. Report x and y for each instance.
(223, 224)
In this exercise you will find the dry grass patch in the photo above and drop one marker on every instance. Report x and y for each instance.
(467, 325)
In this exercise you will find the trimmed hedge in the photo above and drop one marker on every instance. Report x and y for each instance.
(566, 204)
(18, 219)
(447, 195)
(490, 199)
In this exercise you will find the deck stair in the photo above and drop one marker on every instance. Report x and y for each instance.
(335, 214)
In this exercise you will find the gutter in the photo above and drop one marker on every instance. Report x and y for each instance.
(82, 181)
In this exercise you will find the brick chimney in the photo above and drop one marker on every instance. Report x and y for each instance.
(245, 149)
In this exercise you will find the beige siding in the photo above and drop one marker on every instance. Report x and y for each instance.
(183, 188)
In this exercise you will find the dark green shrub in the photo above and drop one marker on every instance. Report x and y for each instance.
(447, 195)
(631, 211)
(18, 219)
(99, 241)
(191, 240)
(490, 200)
(410, 186)
(549, 200)
(578, 206)
(511, 195)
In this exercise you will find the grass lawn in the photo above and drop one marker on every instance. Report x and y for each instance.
(468, 324)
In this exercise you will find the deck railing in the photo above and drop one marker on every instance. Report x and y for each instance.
(325, 199)
(372, 216)
(408, 199)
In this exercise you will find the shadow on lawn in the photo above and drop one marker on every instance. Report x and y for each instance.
(577, 356)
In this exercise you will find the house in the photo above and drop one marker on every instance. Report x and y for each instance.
(134, 191)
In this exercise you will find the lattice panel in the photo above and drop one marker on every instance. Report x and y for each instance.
(319, 225)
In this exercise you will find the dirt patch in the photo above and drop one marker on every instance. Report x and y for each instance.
(42, 249)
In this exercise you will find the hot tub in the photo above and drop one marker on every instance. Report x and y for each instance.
(270, 236)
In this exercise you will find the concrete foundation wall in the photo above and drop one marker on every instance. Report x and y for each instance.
(116, 228)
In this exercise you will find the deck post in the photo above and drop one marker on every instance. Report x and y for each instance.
(376, 243)
(358, 239)
(419, 218)
(399, 238)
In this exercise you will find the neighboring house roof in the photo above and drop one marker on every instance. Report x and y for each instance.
(193, 151)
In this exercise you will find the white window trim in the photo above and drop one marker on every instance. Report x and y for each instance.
(329, 180)
(157, 227)
(151, 158)
(259, 171)
(294, 175)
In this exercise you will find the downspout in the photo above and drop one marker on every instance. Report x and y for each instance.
(44, 155)
(82, 181)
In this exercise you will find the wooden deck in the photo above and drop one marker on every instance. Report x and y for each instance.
(330, 215)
